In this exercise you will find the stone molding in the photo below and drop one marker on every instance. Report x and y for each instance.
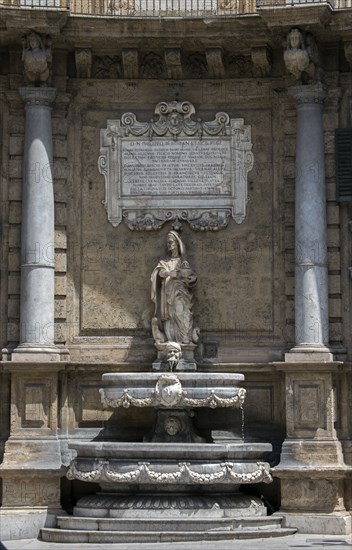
(169, 503)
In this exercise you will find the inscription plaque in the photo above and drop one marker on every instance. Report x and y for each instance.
(175, 167)
(181, 167)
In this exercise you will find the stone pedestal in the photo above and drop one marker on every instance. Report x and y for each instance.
(313, 503)
(31, 467)
(312, 467)
(37, 241)
(30, 501)
(311, 275)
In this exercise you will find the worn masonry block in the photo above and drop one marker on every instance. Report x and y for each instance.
(13, 331)
(60, 285)
(31, 491)
(14, 236)
(60, 308)
(334, 284)
(15, 189)
(14, 308)
(60, 190)
(60, 146)
(60, 238)
(333, 213)
(60, 214)
(60, 262)
(14, 283)
(14, 260)
(333, 237)
(16, 145)
(334, 260)
(335, 307)
(15, 209)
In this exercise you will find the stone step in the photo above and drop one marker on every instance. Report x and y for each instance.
(74, 536)
(171, 524)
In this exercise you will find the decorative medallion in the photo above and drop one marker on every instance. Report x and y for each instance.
(168, 390)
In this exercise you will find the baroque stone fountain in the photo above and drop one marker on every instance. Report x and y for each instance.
(175, 485)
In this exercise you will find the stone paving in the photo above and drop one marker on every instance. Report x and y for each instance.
(326, 542)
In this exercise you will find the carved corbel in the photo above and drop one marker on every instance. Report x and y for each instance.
(83, 59)
(348, 53)
(301, 56)
(37, 58)
(261, 59)
(173, 63)
(215, 62)
(130, 62)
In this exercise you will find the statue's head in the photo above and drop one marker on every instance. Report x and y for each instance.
(34, 41)
(175, 244)
(173, 354)
(294, 38)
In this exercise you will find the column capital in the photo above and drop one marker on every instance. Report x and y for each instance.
(38, 96)
(314, 93)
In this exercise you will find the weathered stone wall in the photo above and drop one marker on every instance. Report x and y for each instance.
(244, 301)
(238, 300)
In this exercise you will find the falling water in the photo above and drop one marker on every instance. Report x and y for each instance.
(242, 422)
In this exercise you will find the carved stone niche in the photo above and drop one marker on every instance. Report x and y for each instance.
(175, 167)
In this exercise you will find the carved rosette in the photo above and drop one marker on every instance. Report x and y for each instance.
(197, 167)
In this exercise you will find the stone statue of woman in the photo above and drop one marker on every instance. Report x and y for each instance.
(172, 284)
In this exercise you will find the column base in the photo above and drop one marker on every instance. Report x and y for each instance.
(311, 454)
(37, 453)
(26, 523)
(28, 352)
(30, 501)
(320, 523)
(312, 500)
(309, 353)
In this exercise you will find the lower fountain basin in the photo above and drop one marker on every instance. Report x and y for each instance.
(145, 464)
(237, 451)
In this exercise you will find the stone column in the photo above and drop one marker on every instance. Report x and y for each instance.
(37, 255)
(311, 272)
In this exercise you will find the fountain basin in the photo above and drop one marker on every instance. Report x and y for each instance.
(167, 451)
(113, 464)
(170, 390)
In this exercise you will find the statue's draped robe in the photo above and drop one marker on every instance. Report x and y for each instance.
(173, 302)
